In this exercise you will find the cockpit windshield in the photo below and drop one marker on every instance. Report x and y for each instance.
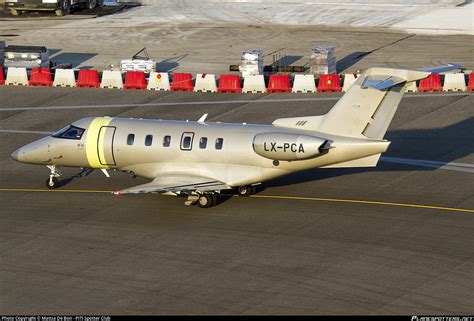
(69, 132)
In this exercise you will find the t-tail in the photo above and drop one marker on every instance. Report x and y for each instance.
(366, 109)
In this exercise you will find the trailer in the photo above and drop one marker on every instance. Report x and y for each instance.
(28, 57)
(60, 7)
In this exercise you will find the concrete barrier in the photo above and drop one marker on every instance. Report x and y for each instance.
(64, 78)
(111, 79)
(254, 84)
(349, 80)
(159, 81)
(16, 77)
(205, 83)
(304, 84)
(454, 82)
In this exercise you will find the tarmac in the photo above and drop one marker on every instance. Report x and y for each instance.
(395, 239)
(182, 39)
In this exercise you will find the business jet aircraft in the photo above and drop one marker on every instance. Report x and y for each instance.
(200, 159)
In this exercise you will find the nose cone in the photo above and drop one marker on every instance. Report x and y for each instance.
(34, 153)
(14, 155)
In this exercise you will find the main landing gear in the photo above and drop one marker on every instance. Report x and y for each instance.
(52, 182)
(246, 190)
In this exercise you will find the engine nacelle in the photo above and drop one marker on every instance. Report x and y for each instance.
(288, 147)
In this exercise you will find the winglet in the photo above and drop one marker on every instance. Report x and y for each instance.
(202, 119)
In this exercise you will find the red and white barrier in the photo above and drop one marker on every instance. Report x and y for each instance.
(279, 84)
(454, 82)
(88, 79)
(329, 83)
(254, 84)
(64, 78)
(470, 85)
(135, 80)
(159, 81)
(16, 77)
(40, 77)
(432, 83)
(349, 80)
(182, 82)
(304, 84)
(229, 84)
(111, 79)
(205, 83)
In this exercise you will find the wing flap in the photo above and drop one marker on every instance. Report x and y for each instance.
(177, 184)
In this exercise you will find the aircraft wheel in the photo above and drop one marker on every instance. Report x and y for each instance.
(206, 200)
(65, 8)
(246, 190)
(214, 199)
(52, 183)
(91, 4)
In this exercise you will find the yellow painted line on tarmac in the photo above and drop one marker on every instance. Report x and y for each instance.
(295, 198)
(317, 199)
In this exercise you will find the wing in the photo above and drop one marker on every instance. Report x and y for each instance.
(177, 184)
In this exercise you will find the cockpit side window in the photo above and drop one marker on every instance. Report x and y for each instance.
(70, 132)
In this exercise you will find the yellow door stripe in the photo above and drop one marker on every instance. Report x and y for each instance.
(94, 143)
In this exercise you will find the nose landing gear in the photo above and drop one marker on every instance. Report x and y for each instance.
(52, 182)
(203, 200)
(207, 200)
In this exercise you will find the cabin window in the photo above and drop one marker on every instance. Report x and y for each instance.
(148, 140)
(203, 143)
(130, 139)
(187, 141)
(219, 143)
(166, 141)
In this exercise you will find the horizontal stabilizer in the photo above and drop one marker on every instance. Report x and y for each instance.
(381, 82)
(369, 161)
(440, 69)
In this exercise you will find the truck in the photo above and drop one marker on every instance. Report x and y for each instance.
(60, 7)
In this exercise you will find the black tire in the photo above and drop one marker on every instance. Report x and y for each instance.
(206, 201)
(52, 184)
(214, 199)
(64, 8)
(91, 4)
(246, 190)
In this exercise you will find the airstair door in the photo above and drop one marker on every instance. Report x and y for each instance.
(105, 145)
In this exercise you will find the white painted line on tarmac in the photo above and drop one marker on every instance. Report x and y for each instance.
(452, 166)
(13, 131)
(217, 102)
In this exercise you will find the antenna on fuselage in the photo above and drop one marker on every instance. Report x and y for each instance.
(202, 119)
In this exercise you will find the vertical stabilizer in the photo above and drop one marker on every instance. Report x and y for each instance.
(370, 104)
(366, 109)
